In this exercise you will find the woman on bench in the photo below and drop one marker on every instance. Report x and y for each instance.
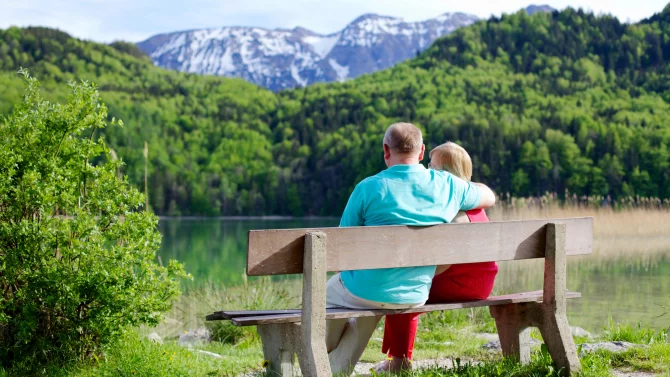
(457, 283)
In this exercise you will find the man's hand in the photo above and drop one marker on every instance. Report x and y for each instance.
(488, 199)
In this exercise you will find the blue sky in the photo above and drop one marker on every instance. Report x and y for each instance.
(135, 20)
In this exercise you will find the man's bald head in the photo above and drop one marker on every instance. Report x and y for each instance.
(403, 139)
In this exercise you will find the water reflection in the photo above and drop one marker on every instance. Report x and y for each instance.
(627, 289)
(215, 250)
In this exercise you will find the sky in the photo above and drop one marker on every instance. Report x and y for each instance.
(136, 20)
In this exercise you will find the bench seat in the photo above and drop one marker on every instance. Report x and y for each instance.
(267, 317)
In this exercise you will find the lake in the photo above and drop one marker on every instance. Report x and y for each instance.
(629, 286)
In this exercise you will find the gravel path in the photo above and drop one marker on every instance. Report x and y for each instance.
(363, 369)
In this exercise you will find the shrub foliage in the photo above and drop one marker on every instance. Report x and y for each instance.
(77, 249)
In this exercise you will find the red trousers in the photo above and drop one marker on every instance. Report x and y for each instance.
(461, 282)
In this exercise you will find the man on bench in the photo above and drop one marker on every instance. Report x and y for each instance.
(404, 194)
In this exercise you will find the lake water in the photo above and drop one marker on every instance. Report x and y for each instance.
(628, 287)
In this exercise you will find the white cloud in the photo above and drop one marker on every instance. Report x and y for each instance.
(106, 20)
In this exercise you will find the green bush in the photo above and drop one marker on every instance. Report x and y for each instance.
(77, 249)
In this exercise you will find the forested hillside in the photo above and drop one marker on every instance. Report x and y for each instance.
(529, 97)
(210, 141)
(553, 102)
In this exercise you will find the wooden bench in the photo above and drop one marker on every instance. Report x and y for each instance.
(314, 252)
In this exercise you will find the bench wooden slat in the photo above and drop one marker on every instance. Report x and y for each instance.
(275, 252)
(230, 314)
(535, 296)
(227, 315)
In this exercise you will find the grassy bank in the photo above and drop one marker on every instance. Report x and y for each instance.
(443, 335)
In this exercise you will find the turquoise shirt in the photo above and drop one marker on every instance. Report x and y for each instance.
(403, 195)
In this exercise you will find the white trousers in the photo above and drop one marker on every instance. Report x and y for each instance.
(346, 339)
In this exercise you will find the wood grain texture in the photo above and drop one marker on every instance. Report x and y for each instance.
(535, 296)
(275, 252)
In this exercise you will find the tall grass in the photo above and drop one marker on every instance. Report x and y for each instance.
(634, 334)
(630, 217)
(190, 310)
(549, 200)
(628, 227)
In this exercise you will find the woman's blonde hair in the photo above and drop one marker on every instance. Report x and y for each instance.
(452, 158)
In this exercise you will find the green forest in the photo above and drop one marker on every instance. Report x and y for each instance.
(564, 102)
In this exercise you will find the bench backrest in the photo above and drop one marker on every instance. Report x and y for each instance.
(274, 252)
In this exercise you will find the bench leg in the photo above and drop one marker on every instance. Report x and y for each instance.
(314, 355)
(513, 329)
(280, 343)
(553, 322)
(558, 338)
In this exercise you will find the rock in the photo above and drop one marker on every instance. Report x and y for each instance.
(578, 331)
(494, 345)
(212, 354)
(616, 346)
(193, 337)
(154, 337)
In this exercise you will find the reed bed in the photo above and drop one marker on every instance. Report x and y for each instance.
(638, 219)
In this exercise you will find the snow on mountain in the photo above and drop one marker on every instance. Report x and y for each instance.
(280, 59)
(320, 44)
(532, 9)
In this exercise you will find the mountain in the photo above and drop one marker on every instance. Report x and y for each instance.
(532, 9)
(567, 102)
(280, 59)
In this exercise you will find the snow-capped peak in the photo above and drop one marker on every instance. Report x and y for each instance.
(372, 17)
(281, 58)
